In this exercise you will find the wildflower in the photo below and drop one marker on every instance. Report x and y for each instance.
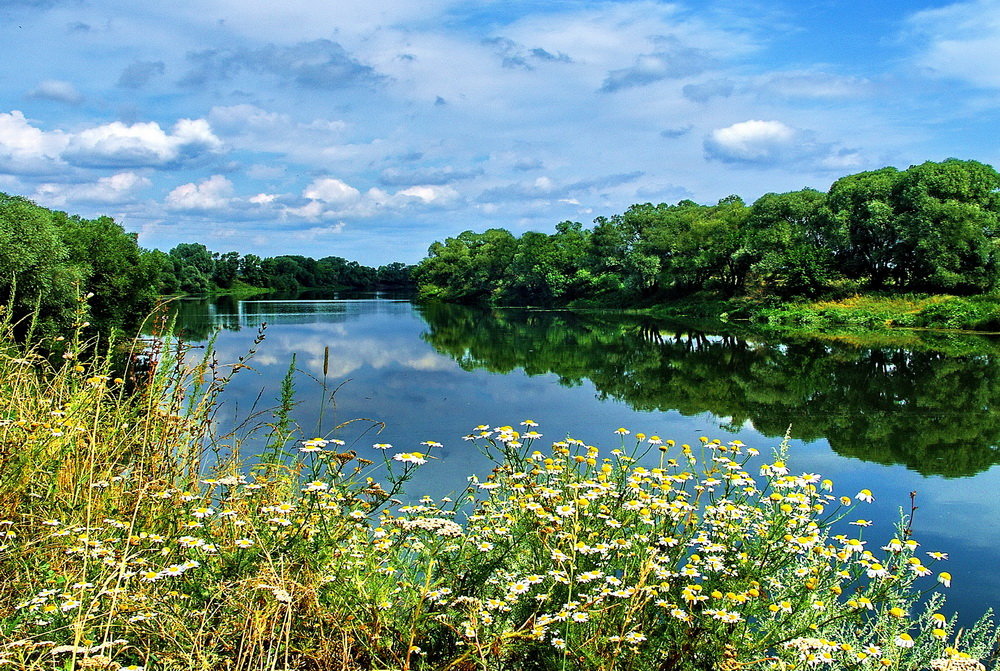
(382, 446)
(938, 555)
(944, 578)
(895, 545)
(634, 638)
(865, 495)
(314, 445)
(410, 458)
(622, 431)
(904, 640)
(202, 512)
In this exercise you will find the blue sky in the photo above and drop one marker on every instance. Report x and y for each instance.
(370, 128)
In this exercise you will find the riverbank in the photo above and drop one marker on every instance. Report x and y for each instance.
(136, 537)
(868, 312)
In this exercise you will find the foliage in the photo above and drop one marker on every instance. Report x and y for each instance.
(192, 268)
(930, 228)
(48, 259)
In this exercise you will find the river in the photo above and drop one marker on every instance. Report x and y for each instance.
(918, 416)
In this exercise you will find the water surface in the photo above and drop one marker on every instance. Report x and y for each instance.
(890, 418)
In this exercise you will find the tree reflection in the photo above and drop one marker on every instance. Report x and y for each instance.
(929, 410)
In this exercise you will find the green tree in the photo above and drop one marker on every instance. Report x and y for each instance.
(947, 217)
(787, 240)
(34, 267)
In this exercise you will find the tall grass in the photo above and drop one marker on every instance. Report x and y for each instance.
(132, 536)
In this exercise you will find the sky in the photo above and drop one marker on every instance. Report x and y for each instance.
(369, 129)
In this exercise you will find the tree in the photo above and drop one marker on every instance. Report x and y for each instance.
(787, 242)
(34, 271)
(862, 223)
(947, 218)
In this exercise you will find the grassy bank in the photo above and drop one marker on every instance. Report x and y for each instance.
(868, 312)
(134, 537)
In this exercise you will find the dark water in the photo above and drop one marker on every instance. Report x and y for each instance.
(892, 419)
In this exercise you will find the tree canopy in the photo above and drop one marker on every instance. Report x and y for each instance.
(931, 228)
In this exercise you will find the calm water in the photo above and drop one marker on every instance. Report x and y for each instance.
(890, 419)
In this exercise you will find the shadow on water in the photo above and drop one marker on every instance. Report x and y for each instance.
(930, 410)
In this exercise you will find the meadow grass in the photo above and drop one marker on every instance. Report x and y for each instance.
(973, 313)
(134, 537)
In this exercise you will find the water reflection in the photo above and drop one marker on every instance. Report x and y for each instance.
(432, 373)
(930, 411)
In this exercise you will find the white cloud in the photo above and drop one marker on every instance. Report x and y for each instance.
(435, 194)
(141, 144)
(319, 232)
(751, 142)
(960, 41)
(57, 90)
(25, 149)
(332, 191)
(112, 190)
(773, 143)
(214, 193)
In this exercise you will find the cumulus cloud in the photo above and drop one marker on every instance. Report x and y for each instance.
(27, 150)
(142, 144)
(214, 193)
(333, 191)
(57, 90)
(328, 198)
(112, 190)
(765, 143)
(319, 64)
(754, 142)
(672, 61)
(432, 194)
(139, 73)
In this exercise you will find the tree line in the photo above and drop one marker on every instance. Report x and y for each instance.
(934, 227)
(50, 260)
(192, 268)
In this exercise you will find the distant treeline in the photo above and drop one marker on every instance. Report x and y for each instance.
(193, 269)
(50, 260)
(934, 227)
